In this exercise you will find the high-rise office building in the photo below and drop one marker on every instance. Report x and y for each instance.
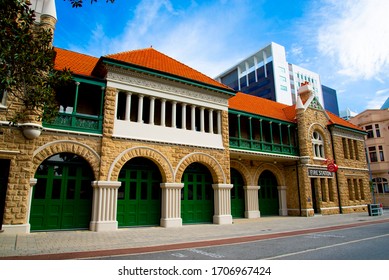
(267, 74)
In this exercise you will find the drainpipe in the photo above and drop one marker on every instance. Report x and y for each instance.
(336, 174)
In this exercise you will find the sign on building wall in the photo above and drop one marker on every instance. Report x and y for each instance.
(319, 173)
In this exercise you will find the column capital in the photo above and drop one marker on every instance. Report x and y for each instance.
(281, 187)
(251, 187)
(222, 186)
(33, 182)
(106, 184)
(172, 185)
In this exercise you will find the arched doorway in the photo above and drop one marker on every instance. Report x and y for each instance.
(139, 196)
(268, 194)
(197, 195)
(237, 194)
(62, 196)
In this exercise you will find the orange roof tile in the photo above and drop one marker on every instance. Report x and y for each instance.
(339, 121)
(78, 63)
(259, 106)
(271, 109)
(155, 60)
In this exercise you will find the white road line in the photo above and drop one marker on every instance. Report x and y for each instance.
(206, 253)
(326, 247)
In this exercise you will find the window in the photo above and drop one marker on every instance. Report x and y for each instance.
(369, 130)
(356, 150)
(373, 154)
(377, 131)
(380, 185)
(317, 145)
(345, 150)
(381, 152)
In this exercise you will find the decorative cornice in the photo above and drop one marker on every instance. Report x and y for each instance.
(150, 82)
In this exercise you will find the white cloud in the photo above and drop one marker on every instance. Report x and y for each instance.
(356, 35)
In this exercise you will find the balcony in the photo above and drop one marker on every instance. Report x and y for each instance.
(78, 122)
(80, 107)
(261, 146)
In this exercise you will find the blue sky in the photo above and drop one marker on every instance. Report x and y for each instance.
(345, 41)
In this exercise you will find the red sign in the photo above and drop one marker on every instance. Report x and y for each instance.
(332, 167)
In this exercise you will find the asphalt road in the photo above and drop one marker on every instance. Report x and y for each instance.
(369, 242)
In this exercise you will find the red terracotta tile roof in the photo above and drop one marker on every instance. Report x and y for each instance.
(267, 108)
(155, 60)
(78, 63)
(259, 106)
(339, 121)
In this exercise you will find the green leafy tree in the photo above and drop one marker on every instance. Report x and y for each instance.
(27, 71)
(78, 3)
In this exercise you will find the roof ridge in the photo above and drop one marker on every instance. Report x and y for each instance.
(76, 52)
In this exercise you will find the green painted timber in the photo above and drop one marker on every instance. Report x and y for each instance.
(62, 197)
(139, 197)
(237, 194)
(268, 194)
(197, 195)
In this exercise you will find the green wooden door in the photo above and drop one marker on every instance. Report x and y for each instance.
(237, 194)
(268, 194)
(197, 195)
(62, 197)
(139, 197)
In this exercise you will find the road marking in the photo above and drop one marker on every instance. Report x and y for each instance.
(206, 253)
(326, 247)
(324, 235)
(178, 255)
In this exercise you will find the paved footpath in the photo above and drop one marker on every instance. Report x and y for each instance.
(88, 244)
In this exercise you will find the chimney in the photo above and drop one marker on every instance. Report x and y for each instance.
(305, 92)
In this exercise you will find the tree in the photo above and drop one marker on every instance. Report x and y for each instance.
(78, 3)
(27, 56)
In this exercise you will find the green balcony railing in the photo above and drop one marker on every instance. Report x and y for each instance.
(262, 146)
(77, 122)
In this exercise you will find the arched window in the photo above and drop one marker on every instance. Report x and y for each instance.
(317, 145)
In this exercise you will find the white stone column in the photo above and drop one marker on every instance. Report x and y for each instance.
(127, 116)
(140, 109)
(193, 117)
(104, 205)
(171, 205)
(174, 114)
(152, 107)
(219, 122)
(202, 125)
(183, 116)
(283, 211)
(222, 204)
(163, 112)
(251, 202)
(210, 120)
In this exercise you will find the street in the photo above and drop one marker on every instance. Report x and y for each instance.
(369, 242)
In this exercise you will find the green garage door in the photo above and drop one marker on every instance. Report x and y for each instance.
(197, 195)
(62, 197)
(139, 197)
(268, 194)
(237, 194)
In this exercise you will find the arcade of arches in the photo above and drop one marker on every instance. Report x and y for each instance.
(66, 196)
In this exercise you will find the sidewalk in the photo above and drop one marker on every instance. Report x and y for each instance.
(82, 244)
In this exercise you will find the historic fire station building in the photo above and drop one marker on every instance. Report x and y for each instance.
(144, 140)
